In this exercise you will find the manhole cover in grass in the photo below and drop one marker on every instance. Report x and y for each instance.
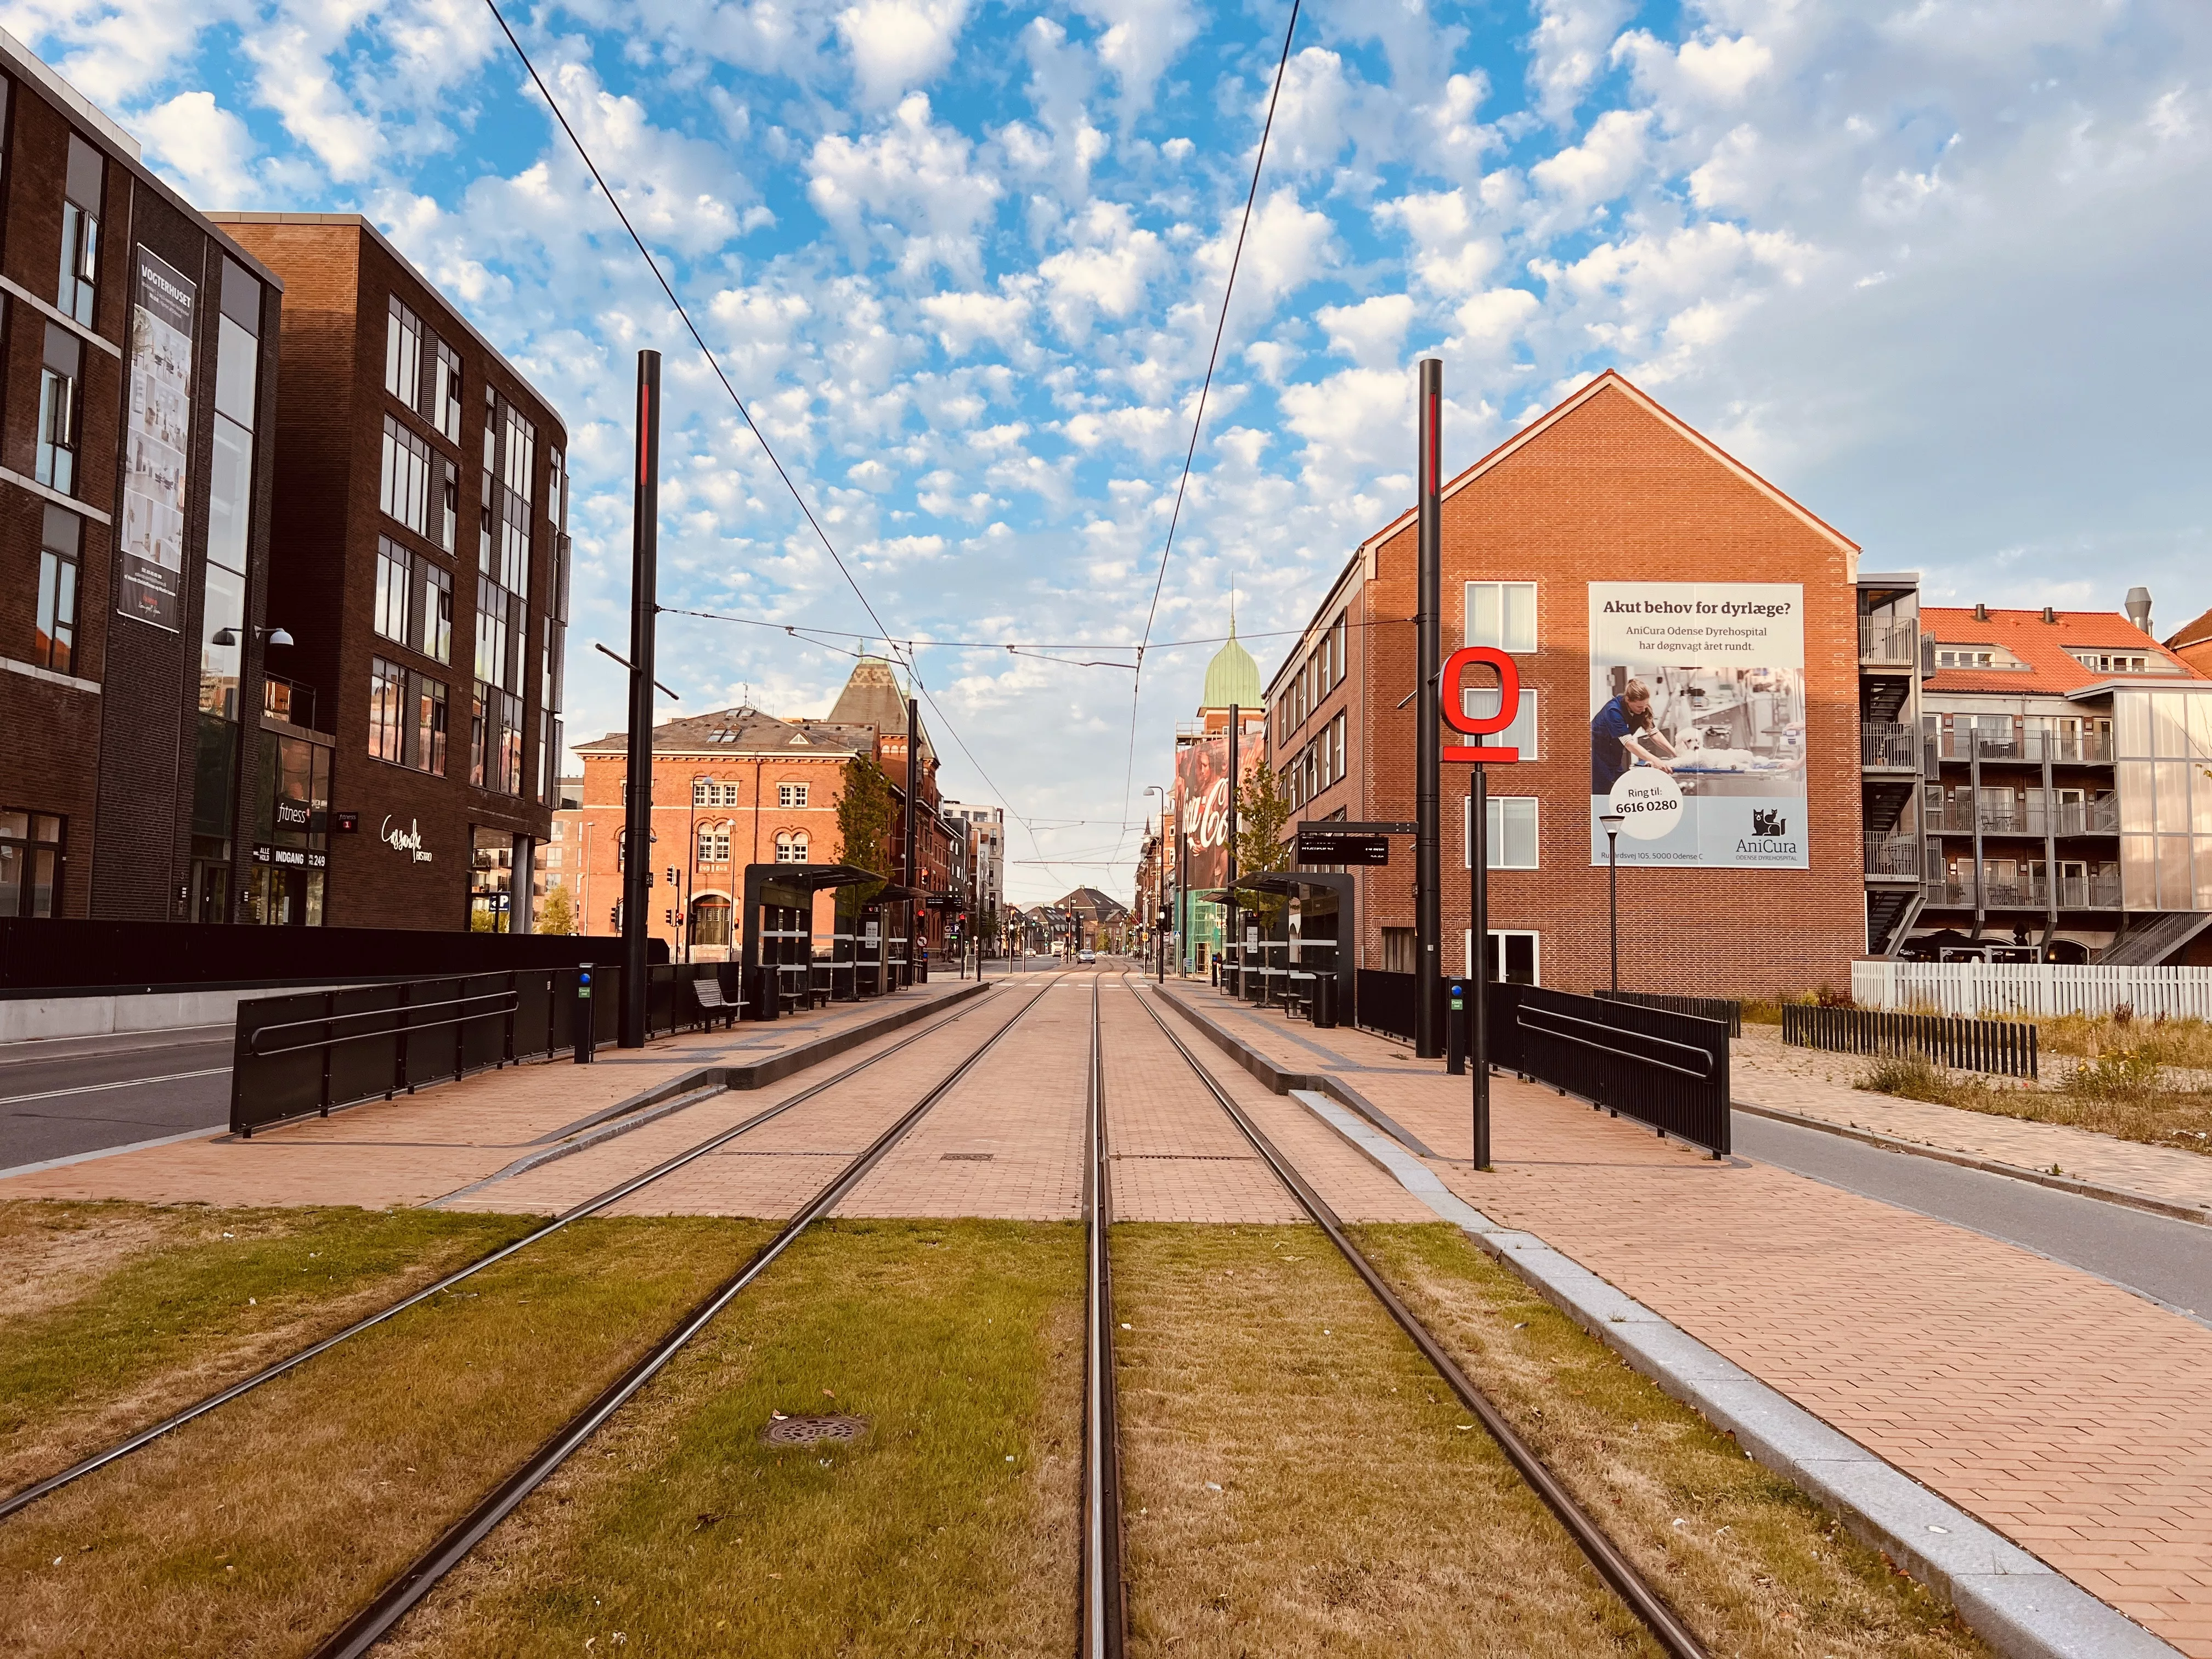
(965, 1158)
(811, 1430)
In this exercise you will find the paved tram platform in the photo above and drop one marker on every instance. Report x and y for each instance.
(2068, 1413)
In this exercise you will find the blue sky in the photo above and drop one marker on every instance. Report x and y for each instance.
(1937, 267)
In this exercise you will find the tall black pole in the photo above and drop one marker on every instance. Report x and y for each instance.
(637, 849)
(1613, 898)
(1233, 936)
(1182, 893)
(1428, 757)
(913, 912)
(1478, 875)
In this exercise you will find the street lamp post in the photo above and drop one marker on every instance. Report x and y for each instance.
(1158, 902)
(1613, 820)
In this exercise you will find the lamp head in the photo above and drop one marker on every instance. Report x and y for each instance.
(1613, 820)
(278, 637)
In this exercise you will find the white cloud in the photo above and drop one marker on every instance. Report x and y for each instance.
(912, 172)
(1610, 156)
(1141, 38)
(205, 148)
(1568, 49)
(963, 320)
(1370, 332)
(899, 44)
(1289, 246)
(1106, 271)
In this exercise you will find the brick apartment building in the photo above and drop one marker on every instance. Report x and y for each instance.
(735, 787)
(134, 475)
(1607, 504)
(422, 566)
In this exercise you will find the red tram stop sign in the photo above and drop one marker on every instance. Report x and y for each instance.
(1479, 726)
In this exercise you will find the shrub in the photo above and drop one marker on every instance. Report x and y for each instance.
(1913, 1076)
(2123, 1072)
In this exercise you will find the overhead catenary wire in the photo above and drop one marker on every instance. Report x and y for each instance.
(1205, 386)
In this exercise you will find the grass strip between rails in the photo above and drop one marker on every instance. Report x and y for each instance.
(113, 1315)
(1753, 1565)
(1297, 1480)
(256, 1530)
(950, 1526)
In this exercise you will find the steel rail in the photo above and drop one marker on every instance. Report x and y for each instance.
(1104, 1612)
(1615, 1568)
(372, 1622)
(38, 1489)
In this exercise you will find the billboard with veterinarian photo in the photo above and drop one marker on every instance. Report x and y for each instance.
(1698, 722)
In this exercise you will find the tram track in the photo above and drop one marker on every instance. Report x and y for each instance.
(30, 1494)
(1102, 1637)
(367, 1627)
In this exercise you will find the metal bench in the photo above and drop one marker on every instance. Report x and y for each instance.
(713, 1002)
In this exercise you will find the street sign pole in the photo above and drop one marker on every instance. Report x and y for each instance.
(1478, 1045)
(637, 860)
(1428, 906)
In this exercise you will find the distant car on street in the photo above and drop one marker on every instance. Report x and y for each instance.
(1086, 956)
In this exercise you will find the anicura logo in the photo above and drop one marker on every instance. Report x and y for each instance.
(408, 841)
(1766, 821)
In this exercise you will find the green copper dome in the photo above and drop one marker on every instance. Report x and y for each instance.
(1232, 677)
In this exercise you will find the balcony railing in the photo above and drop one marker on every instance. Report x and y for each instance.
(1888, 744)
(2012, 815)
(2063, 748)
(1889, 641)
(288, 701)
(1893, 855)
(2029, 893)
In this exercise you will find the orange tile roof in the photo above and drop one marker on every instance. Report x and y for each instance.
(2042, 646)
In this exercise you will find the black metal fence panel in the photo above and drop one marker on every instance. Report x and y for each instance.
(2004, 1048)
(1726, 1010)
(1385, 1002)
(313, 1052)
(1667, 1069)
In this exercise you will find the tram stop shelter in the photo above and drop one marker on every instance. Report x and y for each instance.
(1306, 967)
(781, 975)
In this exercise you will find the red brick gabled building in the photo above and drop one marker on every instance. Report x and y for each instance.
(1607, 488)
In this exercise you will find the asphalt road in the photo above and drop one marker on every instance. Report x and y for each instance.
(2169, 1261)
(62, 1096)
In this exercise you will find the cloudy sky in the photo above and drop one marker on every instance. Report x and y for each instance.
(1939, 268)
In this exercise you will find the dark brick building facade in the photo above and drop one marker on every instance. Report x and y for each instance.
(135, 476)
(422, 566)
(1606, 486)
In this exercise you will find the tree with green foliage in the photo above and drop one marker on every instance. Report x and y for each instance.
(558, 914)
(867, 813)
(1263, 813)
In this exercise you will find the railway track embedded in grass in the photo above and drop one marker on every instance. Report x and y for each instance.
(137, 1441)
(1620, 1574)
(374, 1622)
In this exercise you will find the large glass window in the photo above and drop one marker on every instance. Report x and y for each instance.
(54, 461)
(394, 573)
(403, 353)
(1502, 615)
(1511, 832)
(54, 644)
(388, 693)
(30, 862)
(405, 485)
(223, 625)
(78, 289)
(445, 410)
(1480, 701)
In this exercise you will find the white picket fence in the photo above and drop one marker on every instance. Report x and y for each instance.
(2032, 987)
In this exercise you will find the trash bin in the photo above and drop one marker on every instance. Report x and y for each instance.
(1324, 1002)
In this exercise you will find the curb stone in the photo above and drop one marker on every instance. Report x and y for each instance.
(2016, 1603)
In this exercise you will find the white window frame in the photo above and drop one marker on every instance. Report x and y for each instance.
(1521, 641)
(790, 796)
(1535, 950)
(1526, 732)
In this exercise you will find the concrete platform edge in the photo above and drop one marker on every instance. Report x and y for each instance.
(2168, 1207)
(2013, 1601)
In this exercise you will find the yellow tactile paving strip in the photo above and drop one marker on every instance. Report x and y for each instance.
(2069, 1414)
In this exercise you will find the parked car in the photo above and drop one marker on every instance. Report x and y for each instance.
(1086, 956)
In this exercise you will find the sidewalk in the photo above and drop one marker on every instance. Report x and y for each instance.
(416, 1148)
(2065, 1412)
(1811, 1083)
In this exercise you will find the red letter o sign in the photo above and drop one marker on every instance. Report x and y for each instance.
(1454, 710)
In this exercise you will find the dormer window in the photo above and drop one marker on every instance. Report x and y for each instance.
(2116, 662)
(1957, 656)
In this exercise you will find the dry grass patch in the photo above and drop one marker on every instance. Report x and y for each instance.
(1297, 1480)
(952, 1527)
(1751, 1562)
(113, 1314)
(258, 1528)
(2118, 1092)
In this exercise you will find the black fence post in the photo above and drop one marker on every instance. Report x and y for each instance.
(329, 1012)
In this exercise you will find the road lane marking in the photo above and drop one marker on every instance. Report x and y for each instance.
(126, 1083)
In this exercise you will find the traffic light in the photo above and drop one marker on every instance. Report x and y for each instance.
(669, 917)
(614, 917)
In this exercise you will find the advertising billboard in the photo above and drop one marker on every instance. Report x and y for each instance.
(157, 435)
(1698, 723)
(1202, 789)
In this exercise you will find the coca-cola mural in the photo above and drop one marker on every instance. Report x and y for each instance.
(1202, 786)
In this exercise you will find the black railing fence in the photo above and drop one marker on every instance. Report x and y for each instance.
(313, 1052)
(1661, 1066)
(1667, 1069)
(1726, 1010)
(2006, 1047)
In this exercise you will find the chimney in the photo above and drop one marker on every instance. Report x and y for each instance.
(1981, 613)
(2049, 615)
(2139, 607)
